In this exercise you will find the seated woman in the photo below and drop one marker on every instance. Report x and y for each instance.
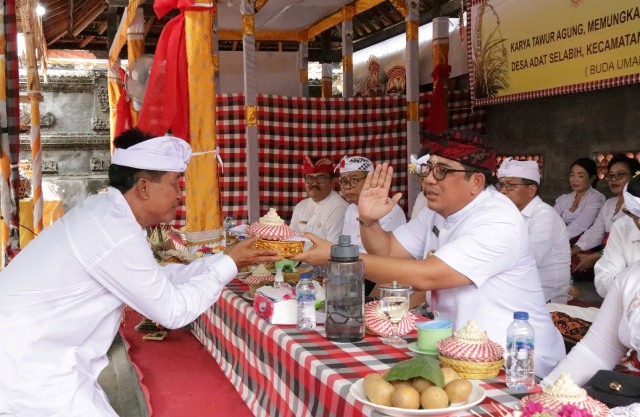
(587, 249)
(615, 331)
(580, 207)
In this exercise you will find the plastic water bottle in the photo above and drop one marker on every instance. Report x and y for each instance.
(306, 297)
(279, 281)
(520, 348)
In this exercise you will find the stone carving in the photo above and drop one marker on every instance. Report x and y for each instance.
(46, 120)
(49, 167)
(103, 98)
(98, 124)
(67, 141)
(98, 164)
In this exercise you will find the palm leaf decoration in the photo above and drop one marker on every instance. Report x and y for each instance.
(490, 61)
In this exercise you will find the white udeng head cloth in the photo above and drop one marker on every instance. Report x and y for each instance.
(354, 163)
(631, 202)
(164, 153)
(519, 169)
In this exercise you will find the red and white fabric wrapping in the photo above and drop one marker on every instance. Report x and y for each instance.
(271, 232)
(254, 280)
(377, 323)
(472, 352)
(593, 406)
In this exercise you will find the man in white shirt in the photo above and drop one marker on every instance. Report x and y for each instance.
(322, 213)
(481, 266)
(353, 171)
(519, 180)
(62, 297)
(623, 245)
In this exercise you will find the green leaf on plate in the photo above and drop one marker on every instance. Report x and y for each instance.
(424, 366)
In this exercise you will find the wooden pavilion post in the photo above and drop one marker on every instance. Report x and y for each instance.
(204, 214)
(412, 87)
(27, 15)
(347, 50)
(135, 48)
(251, 109)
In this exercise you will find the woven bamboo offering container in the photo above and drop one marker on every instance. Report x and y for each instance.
(472, 370)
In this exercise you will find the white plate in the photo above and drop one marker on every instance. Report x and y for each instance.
(413, 346)
(477, 395)
(247, 296)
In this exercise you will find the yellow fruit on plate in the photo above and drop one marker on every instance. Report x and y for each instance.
(449, 375)
(406, 397)
(380, 392)
(420, 384)
(458, 390)
(434, 397)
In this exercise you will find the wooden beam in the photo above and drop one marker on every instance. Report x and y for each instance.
(86, 41)
(270, 35)
(103, 27)
(260, 4)
(337, 17)
(70, 17)
(89, 18)
(149, 25)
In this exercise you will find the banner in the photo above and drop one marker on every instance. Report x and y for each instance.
(523, 49)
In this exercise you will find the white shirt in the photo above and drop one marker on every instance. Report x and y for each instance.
(551, 250)
(421, 202)
(324, 219)
(487, 242)
(351, 226)
(615, 329)
(622, 249)
(594, 235)
(584, 216)
(62, 298)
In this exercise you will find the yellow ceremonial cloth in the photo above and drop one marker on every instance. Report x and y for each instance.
(52, 211)
(203, 194)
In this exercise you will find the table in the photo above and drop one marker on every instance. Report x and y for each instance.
(281, 371)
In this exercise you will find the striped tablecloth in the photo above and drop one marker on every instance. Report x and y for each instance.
(281, 371)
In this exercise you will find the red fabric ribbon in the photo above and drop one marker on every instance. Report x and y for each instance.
(437, 116)
(166, 101)
(124, 121)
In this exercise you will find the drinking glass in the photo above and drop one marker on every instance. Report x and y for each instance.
(394, 304)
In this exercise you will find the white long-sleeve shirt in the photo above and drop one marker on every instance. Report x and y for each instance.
(615, 329)
(622, 249)
(62, 298)
(583, 217)
(351, 227)
(550, 246)
(594, 235)
(487, 242)
(324, 219)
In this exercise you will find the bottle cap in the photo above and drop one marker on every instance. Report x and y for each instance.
(521, 315)
(305, 275)
(344, 250)
(279, 277)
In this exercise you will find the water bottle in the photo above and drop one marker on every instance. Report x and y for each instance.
(344, 286)
(520, 348)
(279, 282)
(306, 297)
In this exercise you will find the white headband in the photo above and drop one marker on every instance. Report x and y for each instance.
(416, 164)
(354, 163)
(165, 153)
(519, 169)
(631, 202)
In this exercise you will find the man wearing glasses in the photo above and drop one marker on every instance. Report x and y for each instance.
(548, 237)
(471, 249)
(322, 213)
(353, 171)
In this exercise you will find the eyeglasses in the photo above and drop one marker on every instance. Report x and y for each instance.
(616, 176)
(351, 182)
(320, 179)
(509, 186)
(439, 172)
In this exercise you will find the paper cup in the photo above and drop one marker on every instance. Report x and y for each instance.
(430, 332)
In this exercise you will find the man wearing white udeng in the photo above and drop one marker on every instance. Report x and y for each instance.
(519, 181)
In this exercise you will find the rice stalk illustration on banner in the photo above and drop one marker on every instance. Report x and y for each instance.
(490, 60)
